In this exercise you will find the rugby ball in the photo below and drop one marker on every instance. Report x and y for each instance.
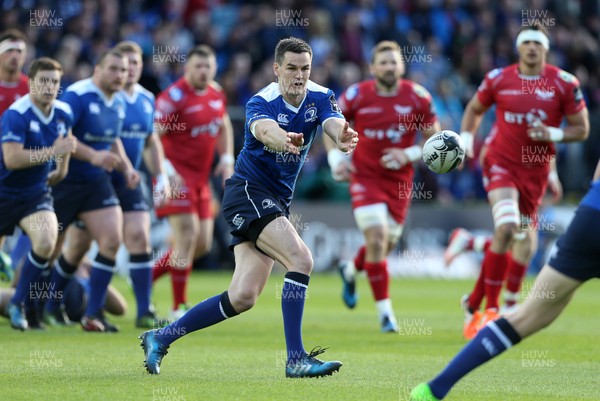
(443, 151)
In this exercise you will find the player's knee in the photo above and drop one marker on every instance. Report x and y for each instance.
(301, 260)
(377, 244)
(243, 299)
(203, 247)
(44, 247)
(109, 245)
(137, 239)
(504, 233)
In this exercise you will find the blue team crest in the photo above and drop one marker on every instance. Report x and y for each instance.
(34, 126)
(94, 108)
(61, 128)
(175, 94)
(310, 115)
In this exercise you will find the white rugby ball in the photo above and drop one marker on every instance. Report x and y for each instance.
(443, 151)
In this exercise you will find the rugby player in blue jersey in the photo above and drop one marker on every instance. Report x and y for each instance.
(574, 260)
(139, 142)
(36, 129)
(281, 123)
(86, 193)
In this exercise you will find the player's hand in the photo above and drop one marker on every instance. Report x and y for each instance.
(555, 187)
(394, 158)
(293, 143)
(132, 178)
(64, 145)
(343, 171)
(161, 193)
(347, 139)
(106, 160)
(539, 132)
(54, 177)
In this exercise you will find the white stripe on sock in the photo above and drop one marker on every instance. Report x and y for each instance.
(36, 264)
(222, 311)
(501, 336)
(102, 266)
(140, 265)
(60, 271)
(289, 280)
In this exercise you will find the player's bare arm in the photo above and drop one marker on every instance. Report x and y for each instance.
(154, 157)
(125, 167)
(225, 149)
(104, 159)
(17, 158)
(269, 133)
(340, 132)
(577, 129)
(340, 163)
(470, 122)
(396, 158)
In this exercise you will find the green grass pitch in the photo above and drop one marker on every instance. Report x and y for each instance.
(243, 359)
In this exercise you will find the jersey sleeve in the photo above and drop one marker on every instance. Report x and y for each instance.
(74, 102)
(328, 107)
(485, 92)
(427, 108)
(167, 106)
(13, 127)
(257, 108)
(348, 101)
(572, 99)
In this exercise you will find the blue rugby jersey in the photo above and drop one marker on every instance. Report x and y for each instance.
(24, 123)
(274, 170)
(137, 127)
(97, 123)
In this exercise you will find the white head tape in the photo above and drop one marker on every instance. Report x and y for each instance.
(10, 44)
(535, 36)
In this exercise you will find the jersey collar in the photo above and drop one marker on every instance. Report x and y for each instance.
(45, 120)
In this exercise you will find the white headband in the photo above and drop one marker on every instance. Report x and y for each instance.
(535, 36)
(10, 44)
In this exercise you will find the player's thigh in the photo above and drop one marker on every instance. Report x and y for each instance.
(42, 229)
(136, 231)
(77, 242)
(104, 225)
(251, 273)
(280, 240)
(205, 237)
(184, 227)
(551, 292)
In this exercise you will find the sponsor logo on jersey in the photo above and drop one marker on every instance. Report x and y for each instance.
(282, 119)
(370, 110)
(34, 126)
(402, 109)
(238, 221)
(267, 203)
(94, 108)
(577, 94)
(357, 188)
(334, 106)
(351, 92)
(215, 104)
(175, 94)
(510, 92)
(525, 118)
(192, 109)
(310, 115)
(543, 94)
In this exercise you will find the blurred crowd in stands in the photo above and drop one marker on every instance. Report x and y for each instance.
(448, 47)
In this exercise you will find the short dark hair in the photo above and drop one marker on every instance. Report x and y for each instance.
(292, 44)
(534, 26)
(384, 46)
(13, 34)
(43, 64)
(129, 46)
(110, 52)
(202, 51)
